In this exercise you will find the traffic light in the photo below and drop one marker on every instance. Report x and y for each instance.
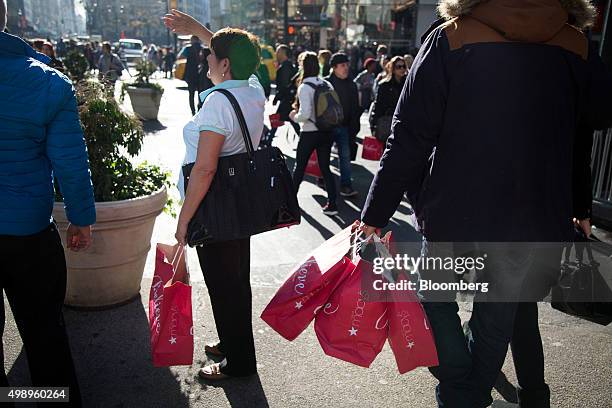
(291, 30)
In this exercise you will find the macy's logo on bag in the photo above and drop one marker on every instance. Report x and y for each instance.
(158, 296)
(173, 323)
(358, 313)
(406, 328)
(301, 276)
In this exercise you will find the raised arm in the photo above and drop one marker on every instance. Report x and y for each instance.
(183, 23)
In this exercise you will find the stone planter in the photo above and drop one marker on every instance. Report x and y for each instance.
(145, 102)
(110, 271)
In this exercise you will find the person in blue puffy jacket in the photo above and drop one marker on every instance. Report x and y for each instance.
(40, 137)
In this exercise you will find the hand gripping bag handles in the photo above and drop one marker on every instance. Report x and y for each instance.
(251, 193)
(170, 314)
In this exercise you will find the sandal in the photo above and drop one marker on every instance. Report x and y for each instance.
(214, 349)
(212, 372)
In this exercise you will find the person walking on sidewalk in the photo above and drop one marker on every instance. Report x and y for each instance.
(386, 98)
(482, 143)
(285, 91)
(169, 60)
(110, 66)
(365, 84)
(192, 54)
(212, 133)
(324, 62)
(345, 135)
(311, 138)
(36, 144)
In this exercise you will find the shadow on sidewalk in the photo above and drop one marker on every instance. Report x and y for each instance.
(152, 126)
(112, 356)
(242, 392)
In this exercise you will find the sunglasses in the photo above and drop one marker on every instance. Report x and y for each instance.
(400, 67)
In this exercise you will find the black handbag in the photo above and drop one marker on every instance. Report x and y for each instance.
(250, 193)
(383, 127)
(582, 291)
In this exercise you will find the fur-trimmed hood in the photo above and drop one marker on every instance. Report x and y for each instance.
(580, 13)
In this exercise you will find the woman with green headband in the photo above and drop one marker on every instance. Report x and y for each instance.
(214, 132)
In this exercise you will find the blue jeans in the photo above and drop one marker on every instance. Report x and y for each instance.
(469, 367)
(342, 139)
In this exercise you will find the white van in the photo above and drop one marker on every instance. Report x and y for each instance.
(130, 51)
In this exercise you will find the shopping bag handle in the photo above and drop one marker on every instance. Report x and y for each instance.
(180, 274)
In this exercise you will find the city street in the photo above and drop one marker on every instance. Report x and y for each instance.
(111, 347)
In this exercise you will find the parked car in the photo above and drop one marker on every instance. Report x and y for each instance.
(130, 51)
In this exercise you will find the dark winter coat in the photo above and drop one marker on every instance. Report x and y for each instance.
(385, 100)
(349, 99)
(192, 53)
(285, 89)
(485, 132)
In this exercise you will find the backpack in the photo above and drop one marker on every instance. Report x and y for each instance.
(328, 109)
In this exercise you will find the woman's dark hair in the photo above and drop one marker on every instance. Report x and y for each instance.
(310, 65)
(240, 47)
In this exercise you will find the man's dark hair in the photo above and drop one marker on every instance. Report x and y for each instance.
(285, 49)
(382, 49)
(240, 47)
(106, 44)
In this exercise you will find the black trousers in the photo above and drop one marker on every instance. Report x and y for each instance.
(226, 268)
(322, 143)
(33, 277)
(194, 91)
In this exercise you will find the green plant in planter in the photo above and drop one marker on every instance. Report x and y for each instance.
(144, 71)
(77, 65)
(112, 136)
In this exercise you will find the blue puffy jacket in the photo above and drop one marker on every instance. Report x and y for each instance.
(40, 136)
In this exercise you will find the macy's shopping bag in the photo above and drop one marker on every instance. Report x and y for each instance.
(308, 287)
(410, 335)
(170, 315)
(312, 167)
(350, 326)
(372, 148)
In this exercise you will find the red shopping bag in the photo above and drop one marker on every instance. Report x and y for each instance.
(308, 287)
(312, 168)
(372, 148)
(170, 315)
(410, 335)
(275, 121)
(350, 326)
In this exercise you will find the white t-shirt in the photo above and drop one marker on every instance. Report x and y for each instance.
(217, 115)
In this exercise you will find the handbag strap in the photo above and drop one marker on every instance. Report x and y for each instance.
(241, 121)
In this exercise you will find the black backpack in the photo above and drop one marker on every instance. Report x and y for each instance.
(328, 109)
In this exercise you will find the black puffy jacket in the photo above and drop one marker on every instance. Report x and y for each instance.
(386, 98)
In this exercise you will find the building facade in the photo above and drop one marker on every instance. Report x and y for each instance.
(200, 9)
(139, 19)
(317, 24)
(43, 18)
